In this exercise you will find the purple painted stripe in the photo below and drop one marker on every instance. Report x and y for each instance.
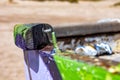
(42, 65)
(20, 42)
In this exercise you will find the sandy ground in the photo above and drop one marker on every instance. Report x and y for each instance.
(54, 13)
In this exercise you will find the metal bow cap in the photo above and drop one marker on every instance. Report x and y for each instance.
(33, 36)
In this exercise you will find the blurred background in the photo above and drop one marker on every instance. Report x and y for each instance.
(54, 12)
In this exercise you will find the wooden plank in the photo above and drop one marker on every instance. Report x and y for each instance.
(86, 29)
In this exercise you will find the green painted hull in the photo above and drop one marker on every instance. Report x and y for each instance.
(79, 70)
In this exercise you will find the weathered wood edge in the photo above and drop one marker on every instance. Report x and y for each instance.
(86, 29)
